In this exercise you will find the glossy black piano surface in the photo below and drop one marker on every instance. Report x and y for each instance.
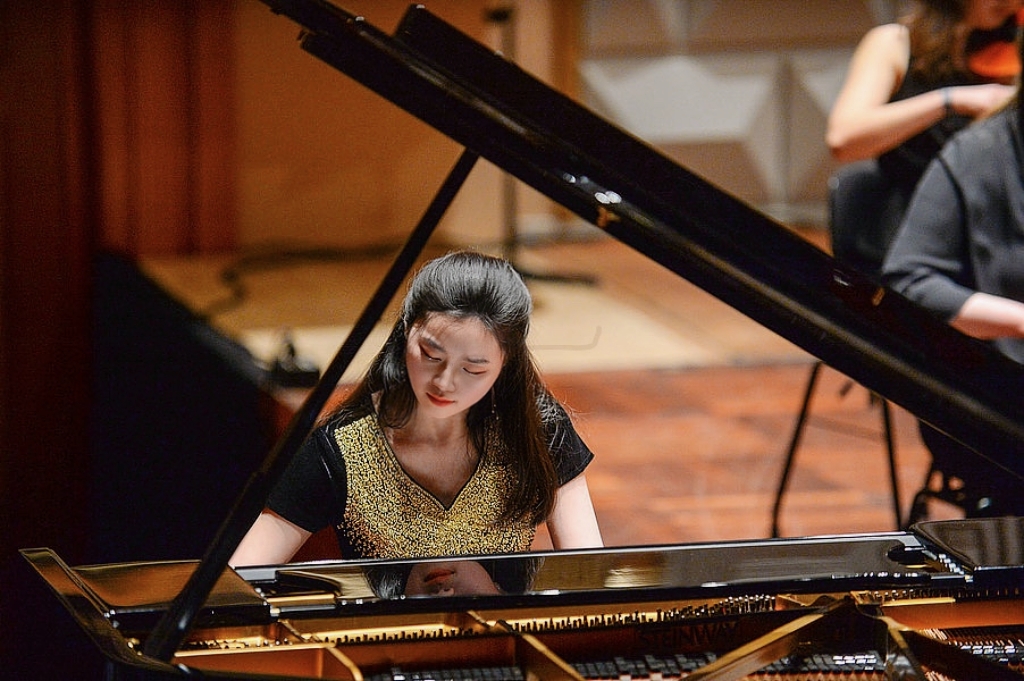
(735, 607)
(942, 598)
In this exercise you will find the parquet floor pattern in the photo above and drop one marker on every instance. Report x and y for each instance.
(696, 455)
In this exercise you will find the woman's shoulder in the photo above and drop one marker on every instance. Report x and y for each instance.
(344, 419)
(892, 39)
(895, 31)
(886, 46)
(550, 408)
(981, 156)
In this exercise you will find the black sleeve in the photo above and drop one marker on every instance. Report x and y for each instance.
(307, 493)
(927, 261)
(568, 450)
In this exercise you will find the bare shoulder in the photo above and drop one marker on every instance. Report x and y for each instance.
(894, 33)
(891, 41)
(884, 48)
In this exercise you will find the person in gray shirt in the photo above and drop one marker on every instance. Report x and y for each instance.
(959, 252)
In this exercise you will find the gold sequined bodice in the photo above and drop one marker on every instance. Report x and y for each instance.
(389, 515)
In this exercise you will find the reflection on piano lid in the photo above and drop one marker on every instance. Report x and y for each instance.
(710, 611)
(795, 607)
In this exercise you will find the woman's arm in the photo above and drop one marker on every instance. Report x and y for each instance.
(863, 122)
(573, 523)
(929, 260)
(270, 540)
(987, 316)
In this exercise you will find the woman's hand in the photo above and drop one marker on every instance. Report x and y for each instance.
(979, 100)
(987, 316)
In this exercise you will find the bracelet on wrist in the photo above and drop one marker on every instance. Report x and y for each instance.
(947, 101)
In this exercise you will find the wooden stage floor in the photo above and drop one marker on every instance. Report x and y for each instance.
(695, 453)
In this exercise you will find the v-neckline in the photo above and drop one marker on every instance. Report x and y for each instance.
(447, 508)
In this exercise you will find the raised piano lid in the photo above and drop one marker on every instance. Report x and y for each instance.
(635, 193)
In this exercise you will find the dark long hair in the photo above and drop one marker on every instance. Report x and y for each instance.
(937, 39)
(466, 284)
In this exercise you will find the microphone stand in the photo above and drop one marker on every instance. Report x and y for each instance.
(504, 17)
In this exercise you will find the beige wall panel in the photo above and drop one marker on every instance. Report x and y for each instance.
(638, 27)
(718, 115)
(726, 164)
(774, 24)
(815, 82)
(324, 160)
(759, 134)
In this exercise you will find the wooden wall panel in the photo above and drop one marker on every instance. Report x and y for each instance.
(215, 162)
(161, 125)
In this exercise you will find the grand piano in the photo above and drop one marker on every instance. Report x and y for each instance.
(941, 600)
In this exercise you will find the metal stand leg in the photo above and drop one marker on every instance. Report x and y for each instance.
(794, 442)
(503, 16)
(890, 448)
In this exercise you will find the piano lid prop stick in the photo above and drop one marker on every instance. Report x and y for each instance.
(762, 651)
(174, 625)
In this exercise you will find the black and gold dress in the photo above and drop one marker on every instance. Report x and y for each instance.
(347, 476)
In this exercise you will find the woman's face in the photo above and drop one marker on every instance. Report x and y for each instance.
(452, 363)
(989, 14)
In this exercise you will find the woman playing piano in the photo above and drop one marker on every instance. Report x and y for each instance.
(449, 445)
